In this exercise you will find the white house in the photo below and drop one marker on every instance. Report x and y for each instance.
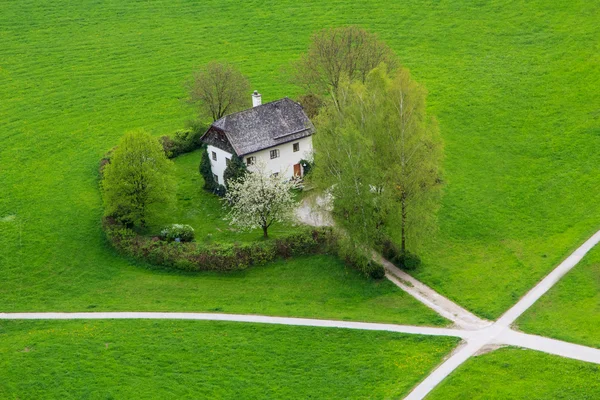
(279, 133)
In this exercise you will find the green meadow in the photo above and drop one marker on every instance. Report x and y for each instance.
(570, 310)
(195, 359)
(512, 373)
(513, 84)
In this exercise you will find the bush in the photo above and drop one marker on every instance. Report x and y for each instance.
(360, 259)
(307, 166)
(219, 257)
(182, 141)
(178, 233)
(235, 170)
(405, 260)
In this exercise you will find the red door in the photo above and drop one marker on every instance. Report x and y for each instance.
(297, 170)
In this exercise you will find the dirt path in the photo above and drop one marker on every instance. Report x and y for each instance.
(260, 319)
(485, 334)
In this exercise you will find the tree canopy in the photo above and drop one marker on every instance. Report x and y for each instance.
(219, 89)
(379, 153)
(138, 181)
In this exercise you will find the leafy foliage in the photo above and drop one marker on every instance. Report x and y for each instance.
(379, 153)
(137, 182)
(183, 140)
(178, 233)
(218, 256)
(234, 171)
(219, 89)
(206, 171)
(259, 199)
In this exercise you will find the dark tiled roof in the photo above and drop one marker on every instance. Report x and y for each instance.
(265, 126)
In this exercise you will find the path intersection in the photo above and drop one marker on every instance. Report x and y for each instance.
(478, 335)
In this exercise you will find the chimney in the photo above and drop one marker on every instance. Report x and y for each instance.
(256, 99)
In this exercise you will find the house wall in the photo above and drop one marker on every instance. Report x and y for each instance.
(218, 167)
(284, 164)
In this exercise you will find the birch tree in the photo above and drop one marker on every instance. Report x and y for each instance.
(380, 153)
(259, 199)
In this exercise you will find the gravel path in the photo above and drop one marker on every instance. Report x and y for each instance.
(477, 333)
(261, 319)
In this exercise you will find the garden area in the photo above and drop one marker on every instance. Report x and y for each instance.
(204, 211)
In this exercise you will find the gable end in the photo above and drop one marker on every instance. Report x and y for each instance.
(217, 138)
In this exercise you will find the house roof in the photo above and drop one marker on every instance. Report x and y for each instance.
(265, 126)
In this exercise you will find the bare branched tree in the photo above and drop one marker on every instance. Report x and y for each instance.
(338, 53)
(219, 89)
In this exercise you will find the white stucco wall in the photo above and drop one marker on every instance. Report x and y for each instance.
(284, 164)
(218, 167)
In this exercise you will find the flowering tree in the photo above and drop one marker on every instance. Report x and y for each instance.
(259, 199)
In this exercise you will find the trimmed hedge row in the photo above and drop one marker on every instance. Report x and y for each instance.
(217, 257)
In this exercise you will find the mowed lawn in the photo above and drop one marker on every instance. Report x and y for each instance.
(185, 359)
(204, 211)
(518, 374)
(571, 310)
(513, 84)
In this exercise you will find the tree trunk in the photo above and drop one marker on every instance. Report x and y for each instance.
(265, 234)
(403, 223)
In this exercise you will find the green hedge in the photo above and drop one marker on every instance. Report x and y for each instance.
(217, 257)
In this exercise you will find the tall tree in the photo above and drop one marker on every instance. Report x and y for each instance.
(260, 199)
(138, 181)
(219, 89)
(337, 53)
(380, 153)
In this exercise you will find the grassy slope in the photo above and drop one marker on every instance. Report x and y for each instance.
(204, 211)
(521, 374)
(513, 85)
(123, 359)
(571, 310)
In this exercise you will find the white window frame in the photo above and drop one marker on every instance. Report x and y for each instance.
(214, 156)
(296, 147)
(274, 152)
(250, 160)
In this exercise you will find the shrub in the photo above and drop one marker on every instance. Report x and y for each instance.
(307, 166)
(178, 233)
(360, 259)
(405, 260)
(209, 180)
(218, 257)
(235, 170)
(182, 141)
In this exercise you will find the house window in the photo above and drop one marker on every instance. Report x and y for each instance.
(227, 161)
(296, 147)
(275, 175)
(274, 153)
(214, 156)
(216, 177)
(250, 160)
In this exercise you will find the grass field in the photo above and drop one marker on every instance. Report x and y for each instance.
(513, 84)
(317, 287)
(204, 211)
(521, 374)
(124, 359)
(571, 310)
